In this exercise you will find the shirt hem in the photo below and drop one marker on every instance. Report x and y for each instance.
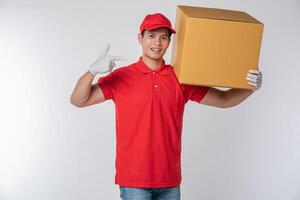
(148, 185)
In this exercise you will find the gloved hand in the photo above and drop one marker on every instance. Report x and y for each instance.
(254, 78)
(104, 63)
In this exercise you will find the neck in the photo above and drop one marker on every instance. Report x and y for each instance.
(152, 63)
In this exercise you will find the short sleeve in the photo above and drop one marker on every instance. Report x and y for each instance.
(194, 93)
(106, 84)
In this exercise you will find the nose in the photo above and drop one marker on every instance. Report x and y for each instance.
(157, 41)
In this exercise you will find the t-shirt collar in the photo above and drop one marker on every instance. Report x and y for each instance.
(143, 68)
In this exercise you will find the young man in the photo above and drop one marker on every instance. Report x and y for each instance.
(149, 104)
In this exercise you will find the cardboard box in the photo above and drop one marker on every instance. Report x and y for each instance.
(215, 47)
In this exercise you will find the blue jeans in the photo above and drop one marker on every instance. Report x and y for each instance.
(170, 193)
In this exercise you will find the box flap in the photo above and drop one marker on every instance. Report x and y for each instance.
(215, 13)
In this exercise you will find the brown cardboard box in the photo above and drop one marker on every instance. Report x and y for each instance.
(215, 47)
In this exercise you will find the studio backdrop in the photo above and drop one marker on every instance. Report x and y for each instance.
(50, 149)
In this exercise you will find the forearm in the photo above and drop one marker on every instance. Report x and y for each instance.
(82, 89)
(234, 97)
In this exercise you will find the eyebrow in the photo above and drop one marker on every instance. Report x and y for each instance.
(165, 34)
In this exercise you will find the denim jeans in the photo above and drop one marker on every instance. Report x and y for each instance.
(170, 193)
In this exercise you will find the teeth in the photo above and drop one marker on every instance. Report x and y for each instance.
(155, 49)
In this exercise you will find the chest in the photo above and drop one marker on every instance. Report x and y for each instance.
(150, 89)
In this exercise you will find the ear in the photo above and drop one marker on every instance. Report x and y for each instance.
(140, 38)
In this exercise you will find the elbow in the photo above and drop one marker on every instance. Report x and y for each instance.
(76, 103)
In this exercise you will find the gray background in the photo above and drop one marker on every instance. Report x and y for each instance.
(51, 150)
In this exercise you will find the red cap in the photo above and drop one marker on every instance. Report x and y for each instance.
(154, 21)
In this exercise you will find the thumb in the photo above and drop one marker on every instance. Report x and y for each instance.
(105, 50)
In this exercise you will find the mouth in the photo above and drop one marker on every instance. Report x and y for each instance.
(156, 50)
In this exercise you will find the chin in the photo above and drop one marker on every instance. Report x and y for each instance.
(155, 57)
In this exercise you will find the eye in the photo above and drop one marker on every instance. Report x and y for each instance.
(151, 35)
(165, 38)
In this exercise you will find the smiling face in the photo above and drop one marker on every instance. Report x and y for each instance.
(155, 43)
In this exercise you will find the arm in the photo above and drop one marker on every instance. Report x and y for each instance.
(225, 99)
(233, 97)
(86, 94)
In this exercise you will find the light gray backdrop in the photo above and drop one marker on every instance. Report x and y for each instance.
(50, 149)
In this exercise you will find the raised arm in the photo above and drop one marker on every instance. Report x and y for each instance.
(86, 94)
(233, 97)
(225, 99)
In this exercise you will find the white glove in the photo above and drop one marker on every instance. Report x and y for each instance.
(104, 63)
(254, 78)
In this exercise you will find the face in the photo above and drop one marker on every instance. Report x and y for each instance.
(155, 43)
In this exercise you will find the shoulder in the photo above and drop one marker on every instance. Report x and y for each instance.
(170, 67)
(123, 70)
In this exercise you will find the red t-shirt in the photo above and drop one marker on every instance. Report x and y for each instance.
(149, 107)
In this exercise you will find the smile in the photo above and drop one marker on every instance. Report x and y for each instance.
(157, 50)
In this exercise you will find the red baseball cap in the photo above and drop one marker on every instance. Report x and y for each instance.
(154, 21)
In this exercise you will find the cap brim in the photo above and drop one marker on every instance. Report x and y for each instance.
(156, 27)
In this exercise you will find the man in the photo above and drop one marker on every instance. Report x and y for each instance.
(149, 104)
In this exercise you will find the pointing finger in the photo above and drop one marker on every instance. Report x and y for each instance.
(118, 58)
